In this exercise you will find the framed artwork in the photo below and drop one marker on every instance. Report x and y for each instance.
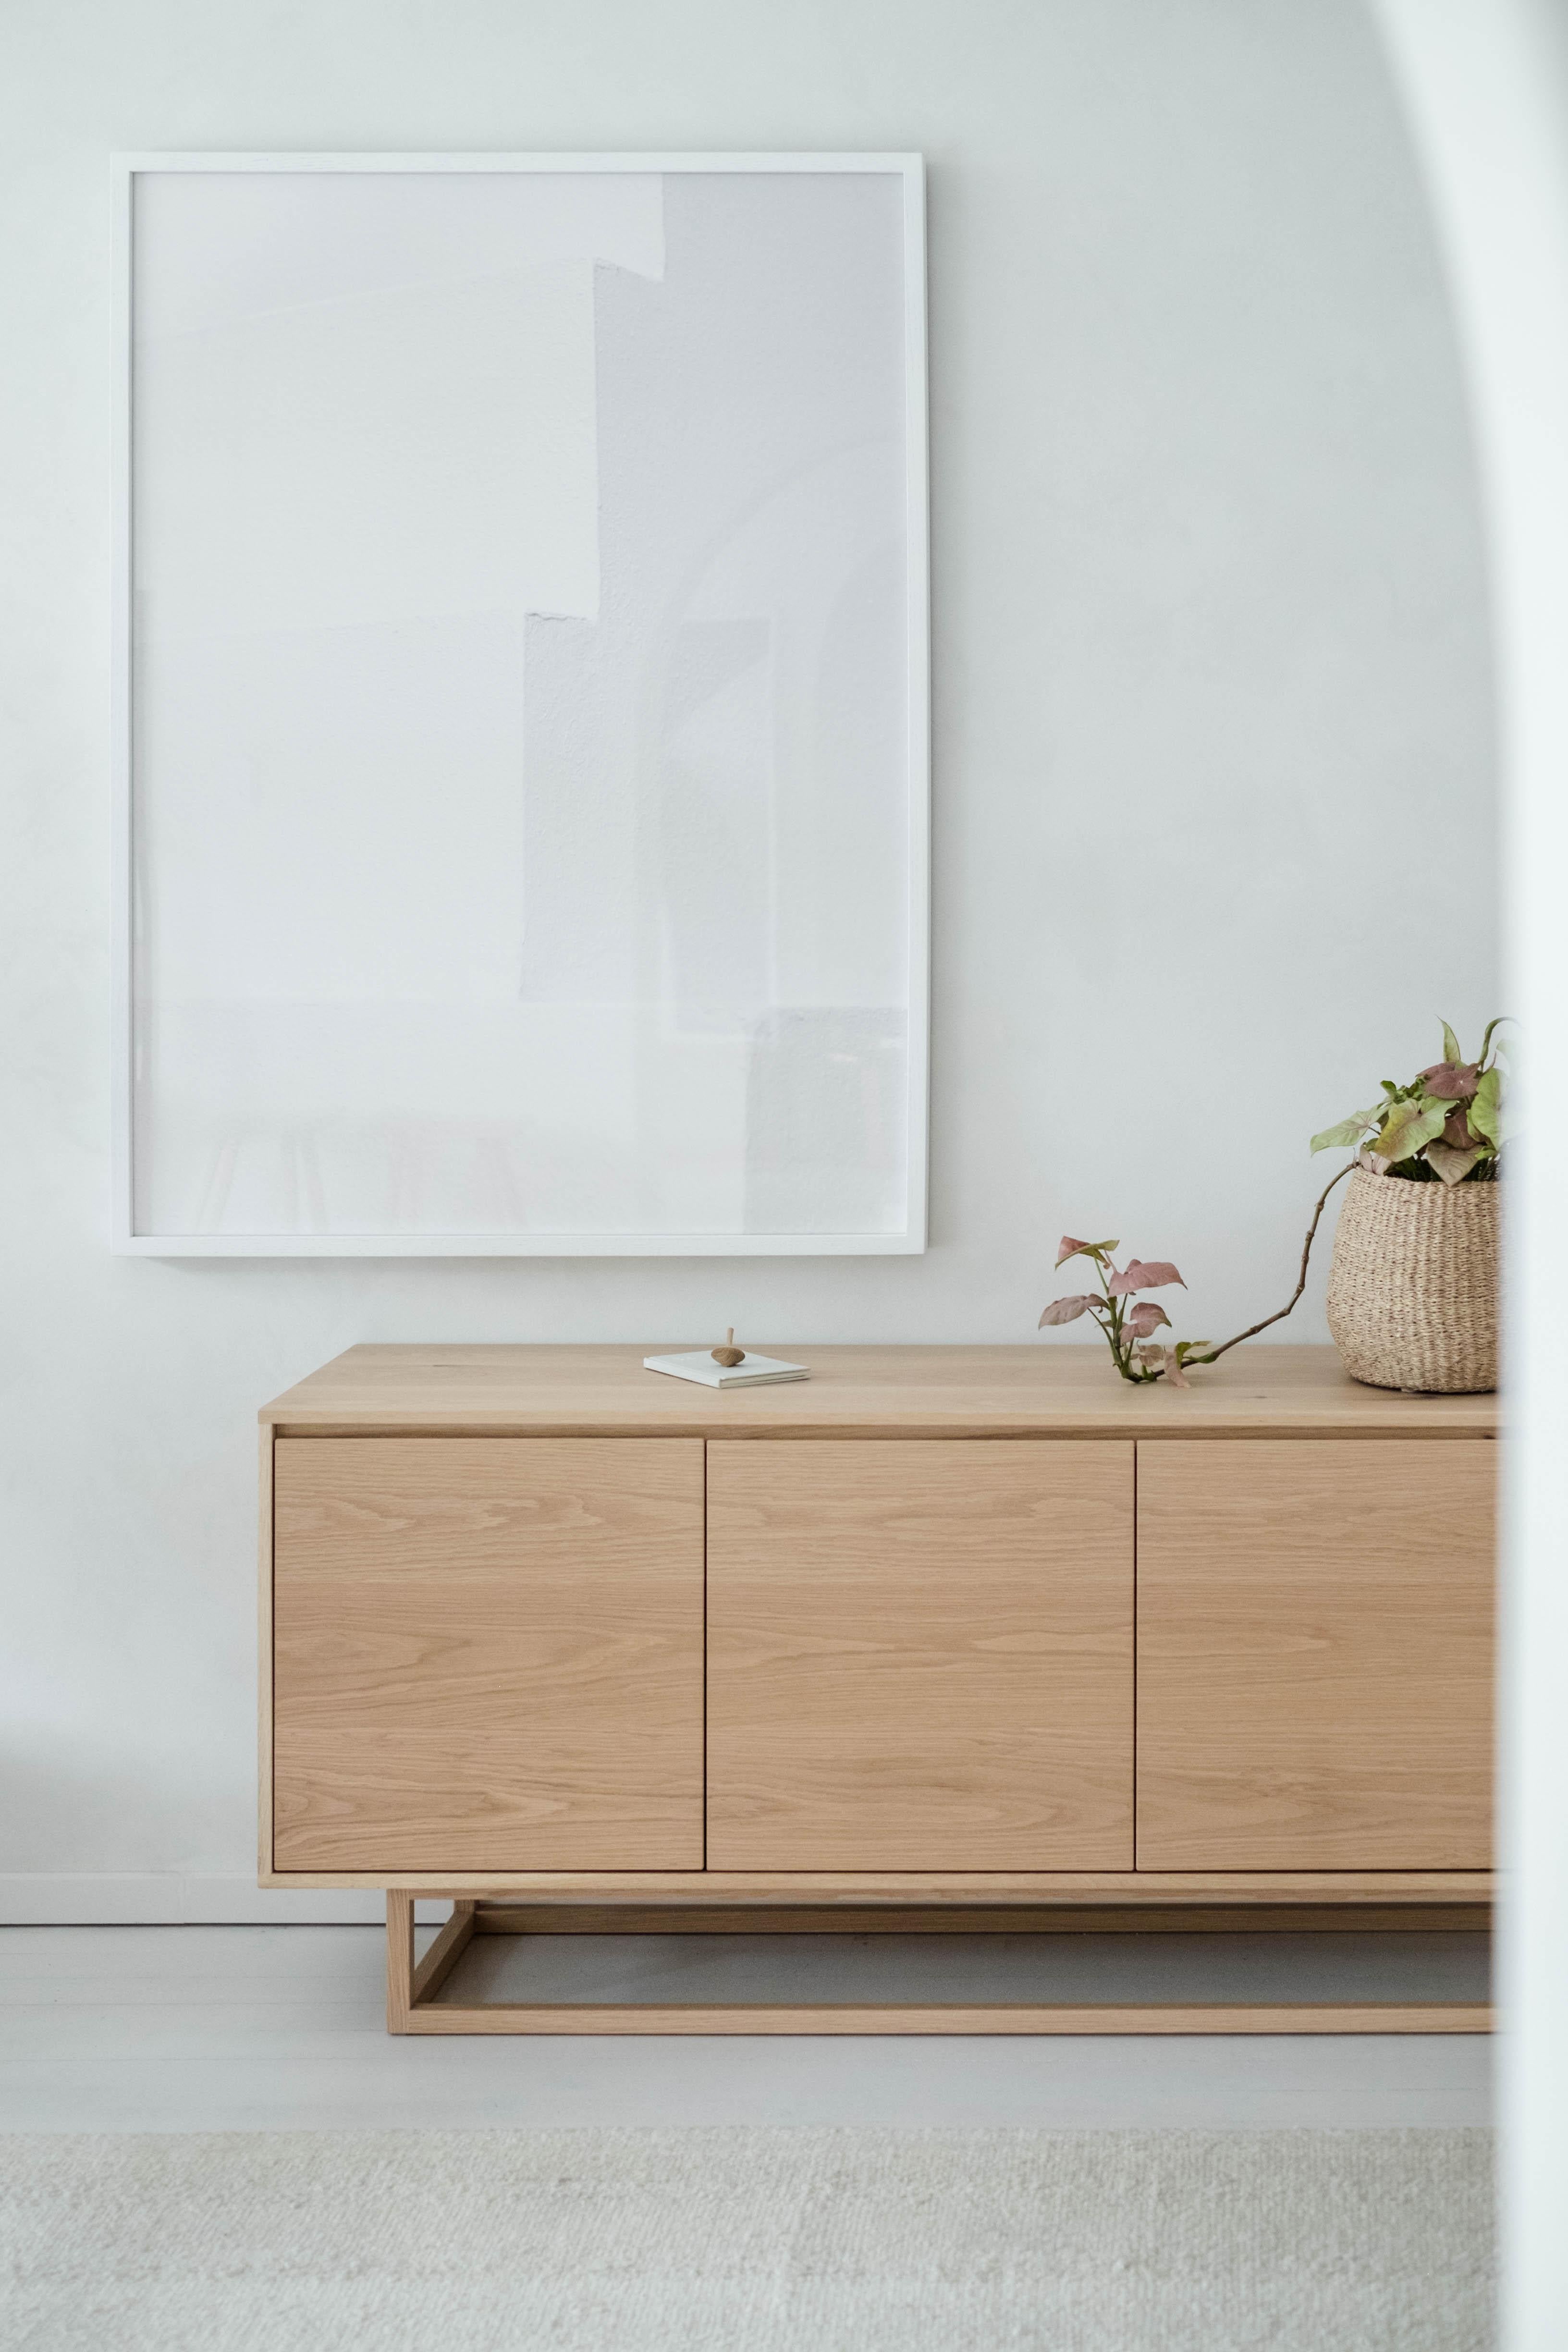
(522, 705)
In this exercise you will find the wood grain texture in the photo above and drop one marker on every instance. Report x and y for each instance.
(488, 1655)
(1381, 2017)
(444, 1954)
(920, 1656)
(849, 1887)
(1033, 1389)
(399, 1959)
(264, 1660)
(990, 1919)
(1315, 1655)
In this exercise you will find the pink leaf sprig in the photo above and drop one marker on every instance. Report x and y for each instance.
(1155, 1276)
(1128, 1328)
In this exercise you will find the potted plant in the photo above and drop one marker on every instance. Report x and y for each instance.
(1412, 1289)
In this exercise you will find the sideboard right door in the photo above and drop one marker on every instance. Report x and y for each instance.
(1315, 1653)
(919, 1654)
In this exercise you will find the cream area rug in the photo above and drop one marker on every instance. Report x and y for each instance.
(747, 2241)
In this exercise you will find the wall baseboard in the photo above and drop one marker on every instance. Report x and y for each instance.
(168, 1898)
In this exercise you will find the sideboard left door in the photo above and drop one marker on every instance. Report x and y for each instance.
(487, 1654)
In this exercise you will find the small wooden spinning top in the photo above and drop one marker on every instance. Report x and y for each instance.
(729, 1353)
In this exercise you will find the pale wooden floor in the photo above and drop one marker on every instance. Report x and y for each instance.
(244, 2029)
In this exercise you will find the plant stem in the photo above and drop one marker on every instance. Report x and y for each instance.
(1251, 1332)
(1118, 1353)
(1120, 1347)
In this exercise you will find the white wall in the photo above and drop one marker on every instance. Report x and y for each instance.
(1214, 827)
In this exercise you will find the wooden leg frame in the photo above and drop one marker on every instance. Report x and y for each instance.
(412, 2006)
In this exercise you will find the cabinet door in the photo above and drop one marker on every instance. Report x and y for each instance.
(1315, 1654)
(920, 1656)
(487, 1654)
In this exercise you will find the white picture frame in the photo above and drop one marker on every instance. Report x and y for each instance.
(160, 1153)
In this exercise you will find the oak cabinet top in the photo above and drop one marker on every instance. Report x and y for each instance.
(1030, 1389)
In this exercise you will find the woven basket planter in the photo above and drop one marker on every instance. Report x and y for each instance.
(1412, 1291)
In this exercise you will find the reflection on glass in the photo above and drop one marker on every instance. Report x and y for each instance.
(521, 791)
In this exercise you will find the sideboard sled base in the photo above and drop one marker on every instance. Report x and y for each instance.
(412, 1985)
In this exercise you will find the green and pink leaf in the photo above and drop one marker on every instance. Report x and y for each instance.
(1451, 1081)
(1408, 1129)
(1070, 1247)
(1452, 1165)
(1349, 1132)
(1157, 1274)
(1485, 1111)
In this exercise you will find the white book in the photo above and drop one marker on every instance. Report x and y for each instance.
(751, 1372)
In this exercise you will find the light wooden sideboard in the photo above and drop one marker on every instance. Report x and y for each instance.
(957, 1637)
